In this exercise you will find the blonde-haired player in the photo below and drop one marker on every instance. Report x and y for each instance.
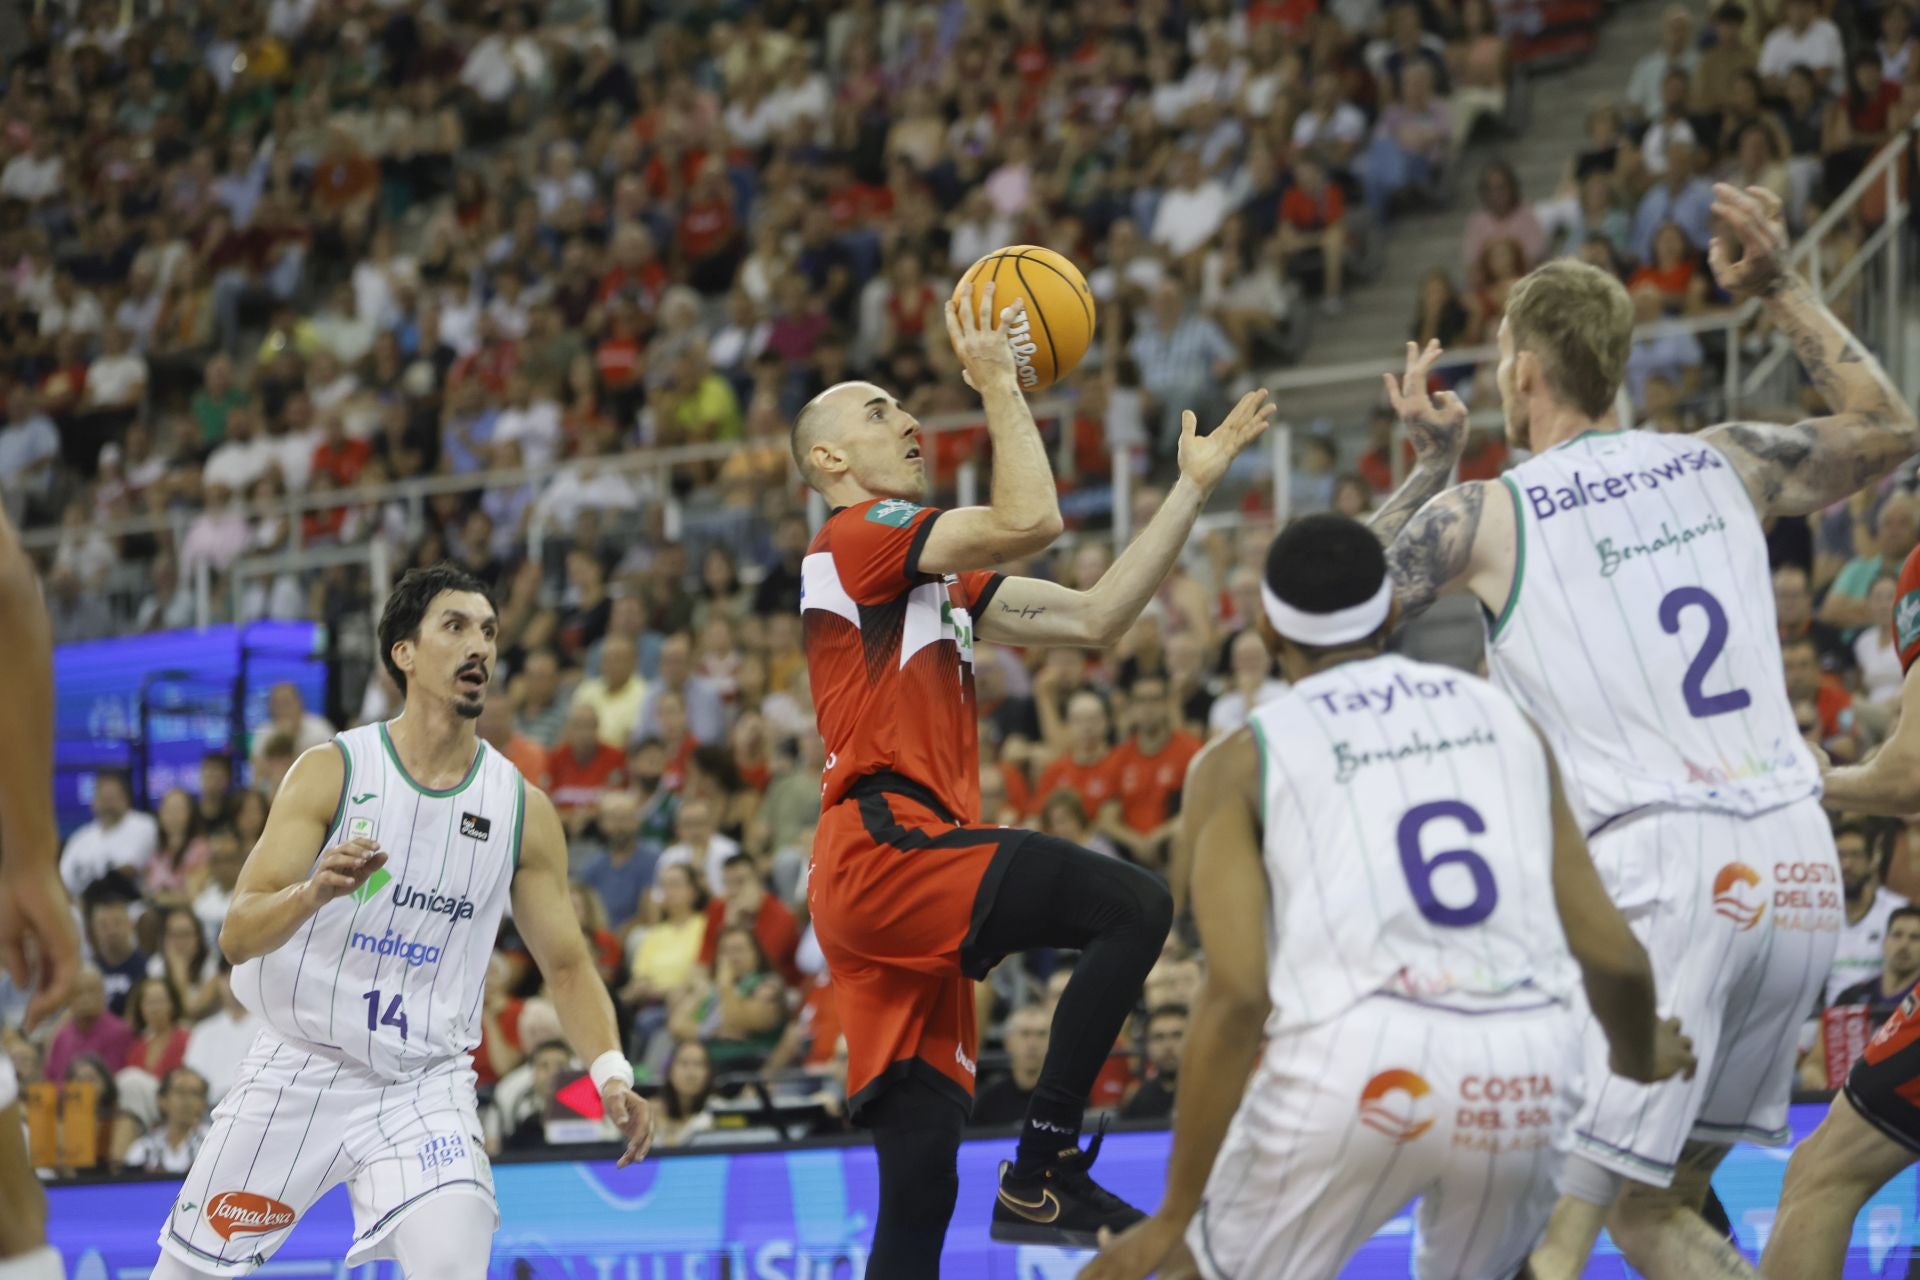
(1625, 579)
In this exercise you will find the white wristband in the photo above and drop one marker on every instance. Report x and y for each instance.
(609, 1066)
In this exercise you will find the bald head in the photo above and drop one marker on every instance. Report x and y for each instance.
(853, 441)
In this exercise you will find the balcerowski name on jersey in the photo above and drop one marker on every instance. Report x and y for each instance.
(1549, 502)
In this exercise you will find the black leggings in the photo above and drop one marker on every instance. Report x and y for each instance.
(1051, 894)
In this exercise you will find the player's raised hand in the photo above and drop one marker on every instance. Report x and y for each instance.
(1437, 425)
(632, 1117)
(342, 869)
(38, 944)
(1205, 459)
(986, 358)
(1672, 1055)
(1752, 218)
(1152, 1246)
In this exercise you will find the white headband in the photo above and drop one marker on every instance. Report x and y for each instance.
(1342, 626)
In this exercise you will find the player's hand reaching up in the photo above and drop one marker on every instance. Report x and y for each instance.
(1672, 1056)
(1436, 425)
(1153, 1246)
(986, 358)
(1205, 459)
(341, 870)
(1751, 217)
(631, 1116)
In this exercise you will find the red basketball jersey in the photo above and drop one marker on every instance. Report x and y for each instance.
(890, 654)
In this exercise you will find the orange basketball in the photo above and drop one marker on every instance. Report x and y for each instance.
(1059, 323)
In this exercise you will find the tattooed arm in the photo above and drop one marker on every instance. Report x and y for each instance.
(1797, 469)
(1437, 426)
(1032, 611)
(1462, 540)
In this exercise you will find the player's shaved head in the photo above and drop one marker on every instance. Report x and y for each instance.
(818, 417)
(871, 445)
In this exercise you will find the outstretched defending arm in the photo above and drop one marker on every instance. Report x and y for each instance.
(1800, 468)
(543, 912)
(1220, 838)
(1888, 785)
(1437, 428)
(1033, 611)
(33, 902)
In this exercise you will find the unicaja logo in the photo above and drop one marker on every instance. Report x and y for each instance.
(242, 1213)
(1390, 1104)
(432, 903)
(1020, 338)
(1730, 898)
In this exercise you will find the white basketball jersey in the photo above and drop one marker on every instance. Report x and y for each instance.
(1408, 844)
(1640, 630)
(391, 976)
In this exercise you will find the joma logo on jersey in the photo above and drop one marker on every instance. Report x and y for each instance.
(433, 903)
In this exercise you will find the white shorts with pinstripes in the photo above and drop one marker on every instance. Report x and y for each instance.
(298, 1122)
(1345, 1123)
(1740, 917)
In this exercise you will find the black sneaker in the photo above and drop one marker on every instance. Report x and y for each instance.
(1060, 1204)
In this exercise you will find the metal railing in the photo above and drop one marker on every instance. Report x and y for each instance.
(1871, 275)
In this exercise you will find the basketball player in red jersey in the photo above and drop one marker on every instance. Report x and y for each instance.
(1872, 1131)
(913, 898)
(38, 946)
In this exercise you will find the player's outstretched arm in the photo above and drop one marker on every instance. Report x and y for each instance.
(543, 912)
(1888, 784)
(1437, 428)
(1220, 832)
(1022, 517)
(1613, 964)
(283, 883)
(1800, 468)
(1031, 611)
(33, 902)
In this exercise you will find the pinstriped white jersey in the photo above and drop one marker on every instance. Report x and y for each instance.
(1640, 632)
(1408, 844)
(391, 976)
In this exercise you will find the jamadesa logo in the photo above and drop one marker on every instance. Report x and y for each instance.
(1730, 899)
(242, 1213)
(1397, 1121)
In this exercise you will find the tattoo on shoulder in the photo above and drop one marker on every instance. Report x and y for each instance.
(1789, 457)
(1436, 546)
(1023, 611)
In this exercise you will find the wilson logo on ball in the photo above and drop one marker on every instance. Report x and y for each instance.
(242, 1213)
(1020, 338)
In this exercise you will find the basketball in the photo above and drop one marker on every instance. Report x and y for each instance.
(1059, 324)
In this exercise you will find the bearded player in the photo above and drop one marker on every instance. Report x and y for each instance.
(1872, 1131)
(913, 898)
(37, 940)
(1630, 612)
(360, 933)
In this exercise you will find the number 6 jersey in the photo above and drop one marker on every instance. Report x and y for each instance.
(1408, 841)
(391, 976)
(1640, 631)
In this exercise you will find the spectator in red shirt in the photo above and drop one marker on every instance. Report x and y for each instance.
(1809, 686)
(582, 768)
(1148, 770)
(338, 455)
(159, 1034)
(1086, 767)
(744, 902)
(1313, 228)
(637, 274)
(709, 234)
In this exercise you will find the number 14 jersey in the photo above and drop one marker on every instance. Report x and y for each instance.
(1640, 631)
(1408, 845)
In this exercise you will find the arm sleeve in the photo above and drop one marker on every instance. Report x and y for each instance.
(876, 548)
(977, 588)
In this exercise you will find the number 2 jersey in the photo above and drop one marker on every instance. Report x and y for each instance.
(1408, 841)
(1640, 631)
(391, 977)
(890, 654)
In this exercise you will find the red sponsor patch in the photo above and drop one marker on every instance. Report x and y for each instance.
(242, 1213)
